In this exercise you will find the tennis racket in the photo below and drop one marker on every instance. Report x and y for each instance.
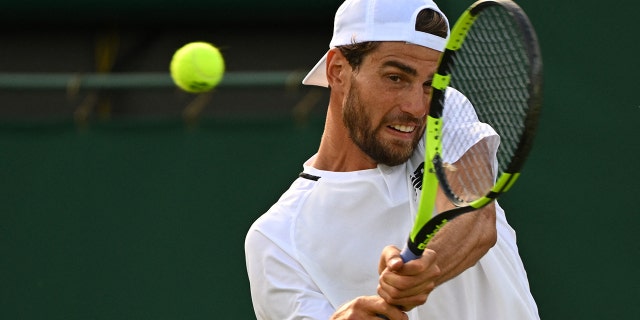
(492, 57)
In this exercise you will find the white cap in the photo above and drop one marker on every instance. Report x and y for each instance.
(359, 21)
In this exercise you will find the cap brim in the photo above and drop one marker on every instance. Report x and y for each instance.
(318, 75)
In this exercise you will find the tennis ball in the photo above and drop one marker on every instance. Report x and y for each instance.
(197, 67)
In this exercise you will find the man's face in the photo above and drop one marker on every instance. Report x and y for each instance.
(386, 106)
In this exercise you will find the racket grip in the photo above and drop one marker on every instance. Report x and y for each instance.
(408, 255)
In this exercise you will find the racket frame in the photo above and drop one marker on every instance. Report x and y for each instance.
(426, 226)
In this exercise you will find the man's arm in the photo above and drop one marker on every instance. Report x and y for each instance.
(281, 289)
(466, 239)
(463, 241)
(456, 247)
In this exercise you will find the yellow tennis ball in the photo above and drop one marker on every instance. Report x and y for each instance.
(197, 67)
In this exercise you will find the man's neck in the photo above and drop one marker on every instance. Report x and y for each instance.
(337, 152)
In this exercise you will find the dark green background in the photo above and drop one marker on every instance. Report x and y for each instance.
(137, 221)
(145, 218)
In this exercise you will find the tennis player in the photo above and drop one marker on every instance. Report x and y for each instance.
(328, 249)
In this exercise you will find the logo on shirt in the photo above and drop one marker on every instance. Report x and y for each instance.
(416, 177)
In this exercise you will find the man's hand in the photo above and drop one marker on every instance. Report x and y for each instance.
(368, 307)
(406, 285)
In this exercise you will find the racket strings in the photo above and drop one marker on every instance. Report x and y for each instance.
(471, 176)
(492, 70)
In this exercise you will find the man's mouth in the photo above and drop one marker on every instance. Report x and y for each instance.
(403, 128)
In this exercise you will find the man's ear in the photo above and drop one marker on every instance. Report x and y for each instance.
(337, 68)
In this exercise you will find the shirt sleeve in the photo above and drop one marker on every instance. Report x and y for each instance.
(280, 287)
(460, 120)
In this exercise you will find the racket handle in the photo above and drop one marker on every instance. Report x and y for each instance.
(408, 255)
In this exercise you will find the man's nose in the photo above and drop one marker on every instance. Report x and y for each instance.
(417, 102)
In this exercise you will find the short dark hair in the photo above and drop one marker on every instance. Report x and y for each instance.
(427, 21)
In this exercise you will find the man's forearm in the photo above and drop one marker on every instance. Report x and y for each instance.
(463, 241)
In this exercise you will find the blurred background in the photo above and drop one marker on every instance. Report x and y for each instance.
(122, 197)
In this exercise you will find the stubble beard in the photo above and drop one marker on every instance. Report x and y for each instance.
(366, 137)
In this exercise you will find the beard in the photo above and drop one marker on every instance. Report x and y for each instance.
(389, 152)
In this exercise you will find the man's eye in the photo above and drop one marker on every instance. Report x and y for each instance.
(394, 78)
(427, 88)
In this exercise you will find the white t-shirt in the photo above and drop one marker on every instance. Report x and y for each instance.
(318, 247)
